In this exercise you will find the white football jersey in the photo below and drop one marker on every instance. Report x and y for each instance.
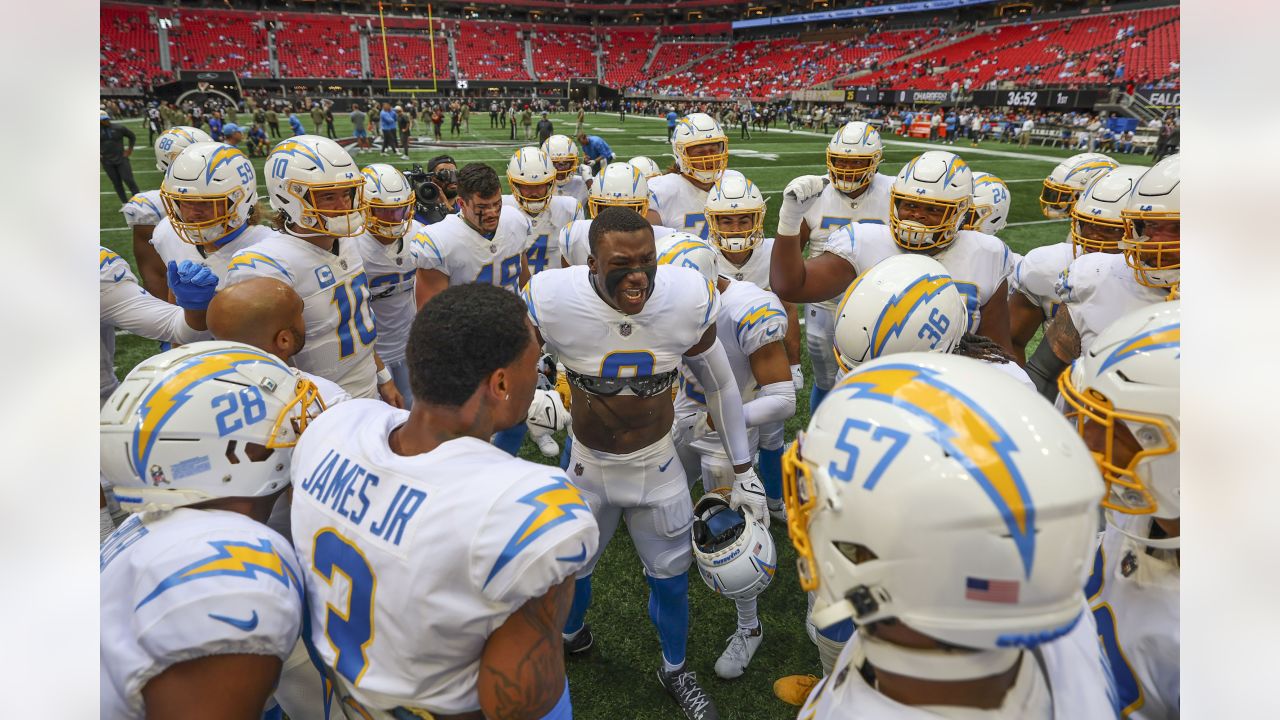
(1071, 684)
(124, 304)
(593, 338)
(455, 248)
(412, 562)
(392, 271)
(1134, 596)
(1036, 275)
(144, 208)
(833, 209)
(186, 584)
(335, 295)
(755, 270)
(749, 318)
(575, 188)
(544, 252)
(1098, 289)
(575, 246)
(977, 262)
(172, 248)
(679, 203)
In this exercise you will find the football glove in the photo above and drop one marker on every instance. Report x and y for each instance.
(797, 377)
(748, 493)
(547, 413)
(796, 198)
(193, 284)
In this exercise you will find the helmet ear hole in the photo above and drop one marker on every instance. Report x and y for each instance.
(232, 457)
(257, 453)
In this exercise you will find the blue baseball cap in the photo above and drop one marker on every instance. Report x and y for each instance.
(231, 129)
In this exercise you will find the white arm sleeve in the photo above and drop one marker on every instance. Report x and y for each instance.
(724, 402)
(126, 305)
(774, 403)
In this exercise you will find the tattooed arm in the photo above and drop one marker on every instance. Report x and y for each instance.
(522, 667)
(1060, 346)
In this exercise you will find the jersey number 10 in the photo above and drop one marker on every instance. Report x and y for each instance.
(354, 313)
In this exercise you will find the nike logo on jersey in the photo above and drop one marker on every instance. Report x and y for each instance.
(771, 332)
(582, 555)
(663, 466)
(245, 625)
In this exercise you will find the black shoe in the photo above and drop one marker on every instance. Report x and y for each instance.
(682, 686)
(580, 643)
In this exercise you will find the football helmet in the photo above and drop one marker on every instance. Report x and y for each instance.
(528, 170)
(700, 130)
(1096, 225)
(1124, 392)
(621, 185)
(208, 192)
(647, 166)
(991, 201)
(1065, 182)
(937, 490)
(306, 164)
(735, 553)
(173, 141)
(904, 303)
(390, 200)
(563, 152)
(691, 251)
(936, 179)
(734, 194)
(859, 144)
(1152, 241)
(204, 421)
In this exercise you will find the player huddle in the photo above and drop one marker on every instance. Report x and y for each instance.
(328, 515)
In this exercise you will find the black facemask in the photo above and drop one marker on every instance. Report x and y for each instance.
(614, 278)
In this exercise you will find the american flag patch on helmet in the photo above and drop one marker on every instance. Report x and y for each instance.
(997, 591)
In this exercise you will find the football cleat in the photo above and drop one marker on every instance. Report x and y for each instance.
(682, 685)
(794, 689)
(579, 642)
(737, 655)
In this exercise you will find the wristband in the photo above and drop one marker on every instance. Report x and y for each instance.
(384, 376)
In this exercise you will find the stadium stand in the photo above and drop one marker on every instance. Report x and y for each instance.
(490, 50)
(561, 54)
(130, 54)
(625, 52)
(219, 40)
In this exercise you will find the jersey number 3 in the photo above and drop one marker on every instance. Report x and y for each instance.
(349, 631)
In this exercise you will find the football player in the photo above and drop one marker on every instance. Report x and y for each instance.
(1068, 179)
(318, 191)
(814, 207)
(439, 567)
(959, 558)
(390, 264)
(1096, 226)
(1123, 396)
(1098, 288)
(929, 201)
(753, 324)
(145, 210)
(564, 155)
(620, 185)
(991, 201)
(679, 197)
(532, 178)
(621, 325)
(210, 194)
(646, 166)
(201, 601)
(735, 217)
(487, 243)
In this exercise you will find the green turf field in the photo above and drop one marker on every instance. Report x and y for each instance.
(616, 678)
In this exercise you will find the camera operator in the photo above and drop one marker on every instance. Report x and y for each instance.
(436, 189)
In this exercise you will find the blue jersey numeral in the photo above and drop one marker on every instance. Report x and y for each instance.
(641, 363)
(970, 293)
(354, 313)
(699, 221)
(536, 255)
(349, 629)
(509, 274)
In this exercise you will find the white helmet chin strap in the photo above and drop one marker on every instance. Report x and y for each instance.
(940, 665)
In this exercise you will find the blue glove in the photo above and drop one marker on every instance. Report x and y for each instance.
(193, 285)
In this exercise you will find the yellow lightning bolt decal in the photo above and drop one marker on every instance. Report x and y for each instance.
(552, 505)
(171, 392)
(1169, 336)
(106, 257)
(250, 258)
(233, 559)
(893, 318)
(756, 316)
(223, 155)
(970, 435)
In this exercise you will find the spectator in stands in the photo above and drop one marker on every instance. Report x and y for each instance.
(1024, 137)
(258, 146)
(273, 121)
(358, 120)
(597, 151)
(296, 125)
(232, 134)
(1125, 143)
(317, 116)
(388, 124)
(545, 129)
(671, 123)
(115, 157)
